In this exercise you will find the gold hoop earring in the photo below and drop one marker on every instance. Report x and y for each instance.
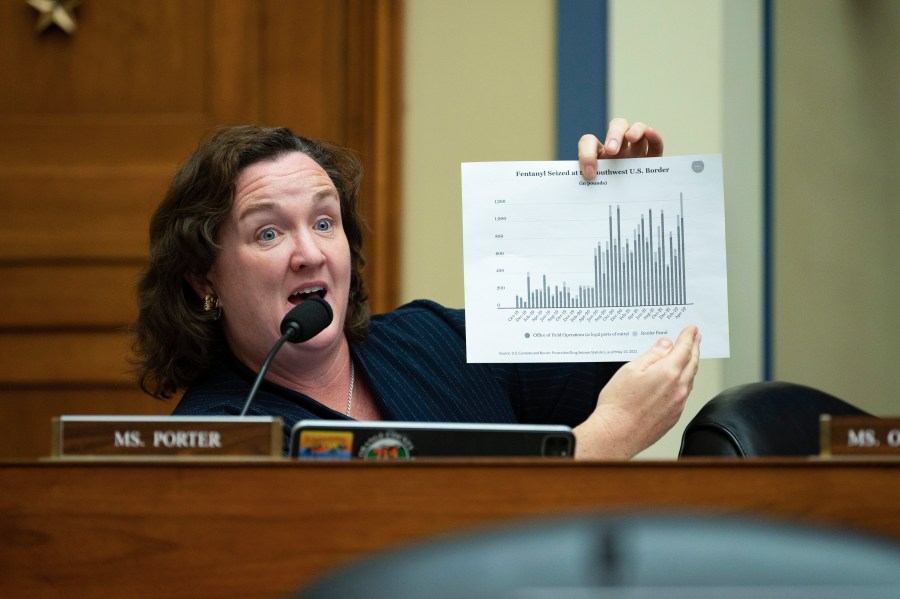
(211, 305)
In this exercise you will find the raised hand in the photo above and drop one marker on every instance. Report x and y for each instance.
(623, 140)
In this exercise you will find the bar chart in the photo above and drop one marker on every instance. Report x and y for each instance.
(559, 268)
(644, 268)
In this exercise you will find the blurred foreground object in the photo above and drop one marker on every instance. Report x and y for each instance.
(630, 555)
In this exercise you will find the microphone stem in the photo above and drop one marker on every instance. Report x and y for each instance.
(264, 368)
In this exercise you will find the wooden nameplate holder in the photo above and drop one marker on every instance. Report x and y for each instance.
(166, 436)
(859, 436)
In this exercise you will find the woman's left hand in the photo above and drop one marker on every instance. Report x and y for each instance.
(642, 401)
(623, 140)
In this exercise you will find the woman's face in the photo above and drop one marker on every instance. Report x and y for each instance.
(282, 243)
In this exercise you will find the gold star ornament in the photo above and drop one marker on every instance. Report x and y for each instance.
(55, 12)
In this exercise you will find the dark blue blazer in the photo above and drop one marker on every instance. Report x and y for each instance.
(414, 361)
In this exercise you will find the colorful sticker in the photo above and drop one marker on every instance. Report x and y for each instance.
(387, 445)
(326, 445)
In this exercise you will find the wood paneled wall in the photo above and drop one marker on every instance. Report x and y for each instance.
(94, 125)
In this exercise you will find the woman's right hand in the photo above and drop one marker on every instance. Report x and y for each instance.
(623, 140)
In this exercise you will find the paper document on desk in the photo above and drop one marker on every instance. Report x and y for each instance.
(560, 269)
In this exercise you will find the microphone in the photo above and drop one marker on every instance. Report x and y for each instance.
(303, 322)
(306, 320)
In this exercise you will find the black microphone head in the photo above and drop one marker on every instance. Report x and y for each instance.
(306, 320)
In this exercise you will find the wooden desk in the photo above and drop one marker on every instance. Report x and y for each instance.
(260, 529)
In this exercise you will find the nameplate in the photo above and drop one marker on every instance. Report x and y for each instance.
(166, 436)
(859, 436)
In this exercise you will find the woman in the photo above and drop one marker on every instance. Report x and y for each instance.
(258, 219)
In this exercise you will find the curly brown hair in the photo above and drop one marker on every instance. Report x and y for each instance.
(174, 340)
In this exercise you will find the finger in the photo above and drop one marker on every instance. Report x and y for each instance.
(635, 132)
(589, 148)
(695, 352)
(614, 136)
(660, 350)
(654, 142)
(681, 352)
(638, 138)
(641, 130)
(689, 374)
(637, 149)
(693, 366)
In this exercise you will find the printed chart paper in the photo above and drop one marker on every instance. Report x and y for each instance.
(560, 269)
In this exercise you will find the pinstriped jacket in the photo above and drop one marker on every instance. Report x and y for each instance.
(414, 361)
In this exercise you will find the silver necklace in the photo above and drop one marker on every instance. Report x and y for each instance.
(350, 392)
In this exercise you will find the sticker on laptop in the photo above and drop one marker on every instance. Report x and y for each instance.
(326, 445)
(387, 445)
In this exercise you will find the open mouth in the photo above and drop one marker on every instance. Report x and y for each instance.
(306, 293)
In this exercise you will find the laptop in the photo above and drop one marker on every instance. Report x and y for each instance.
(386, 440)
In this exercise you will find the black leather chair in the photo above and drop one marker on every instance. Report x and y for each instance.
(762, 419)
(628, 555)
